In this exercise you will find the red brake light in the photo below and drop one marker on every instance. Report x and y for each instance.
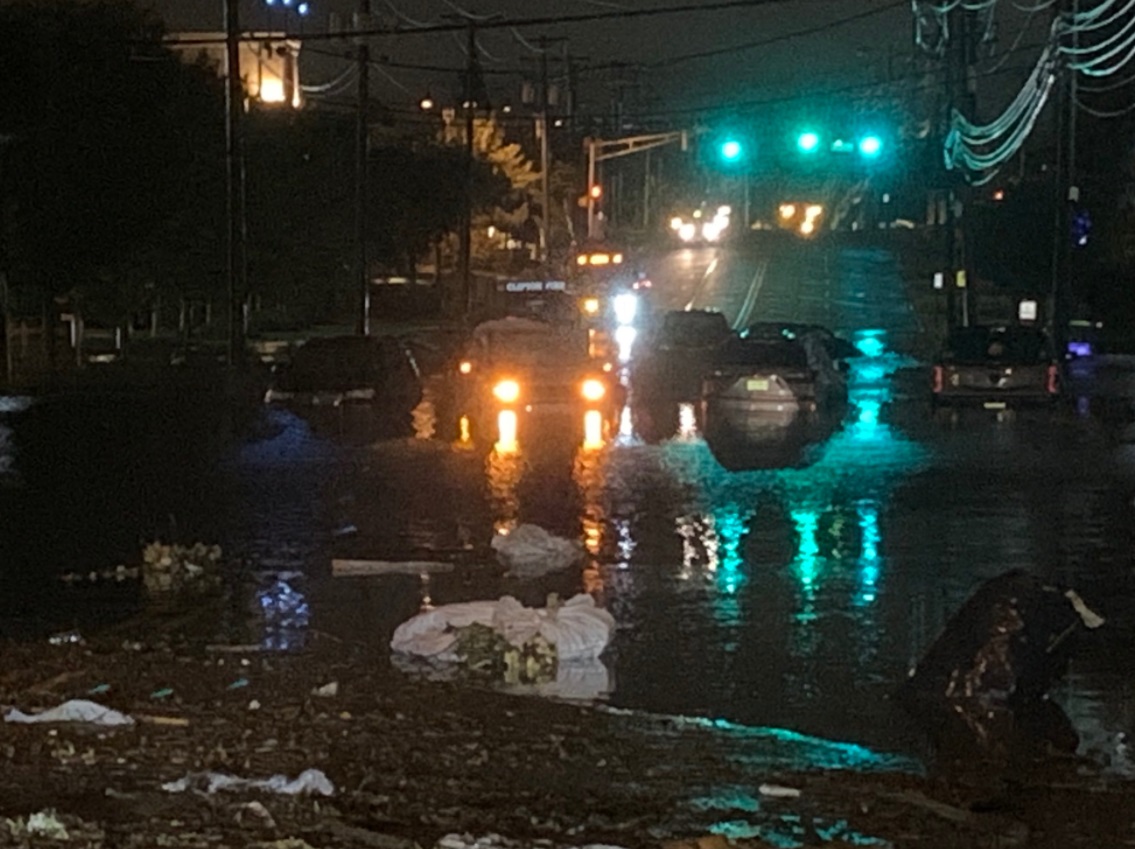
(937, 379)
(1053, 384)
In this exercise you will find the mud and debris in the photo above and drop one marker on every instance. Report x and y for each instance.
(411, 763)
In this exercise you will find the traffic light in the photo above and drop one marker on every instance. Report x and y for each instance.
(808, 141)
(731, 150)
(870, 146)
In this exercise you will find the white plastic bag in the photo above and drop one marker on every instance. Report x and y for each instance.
(310, 781)
(529, 551)
(76, 710)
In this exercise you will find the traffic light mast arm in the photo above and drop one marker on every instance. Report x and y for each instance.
(600, 150)
(604, 149)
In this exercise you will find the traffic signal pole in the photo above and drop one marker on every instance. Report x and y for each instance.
(600, 150)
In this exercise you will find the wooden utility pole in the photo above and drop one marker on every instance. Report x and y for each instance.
(545, 160)
(234, 161)
(466, 246)
(362, 167)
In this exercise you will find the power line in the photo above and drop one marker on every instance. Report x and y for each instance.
(503, 22)
(764, 42)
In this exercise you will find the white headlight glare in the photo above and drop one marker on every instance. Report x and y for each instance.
(626, 307)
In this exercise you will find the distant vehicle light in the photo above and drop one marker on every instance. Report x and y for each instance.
(466, 367)
(581, 259)
(697, 213)
(591, 305)
(787, 210)
(593, 390)
(807, 228)
(599, 259)
(617, 259)
(676, 223)
(507, 391)
(626, 308)
(725, 211)
(711, 231)
(814, 211)
(687, 232)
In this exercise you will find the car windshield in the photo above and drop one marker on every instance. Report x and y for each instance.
(531, 348)
(693, 329)
(765, 353)
(980, 345)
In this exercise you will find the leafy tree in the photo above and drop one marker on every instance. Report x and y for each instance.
(417, 197)
(115, 150)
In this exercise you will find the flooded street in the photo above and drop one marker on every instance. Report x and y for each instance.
(789, 598)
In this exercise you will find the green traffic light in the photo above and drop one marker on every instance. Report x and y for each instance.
(870, 145)
(731, 150)
(808, 141)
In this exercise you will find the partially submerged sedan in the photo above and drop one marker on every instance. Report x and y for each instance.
(343, 370)
(768, 382)
(996, 367)
(769, 399)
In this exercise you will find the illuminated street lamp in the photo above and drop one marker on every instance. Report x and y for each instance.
(808, 141)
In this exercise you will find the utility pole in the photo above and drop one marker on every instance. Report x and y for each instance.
(234, 161)
(362, 167)
(466, 246)
(959, 57)
(1065, 192)
(545, 160)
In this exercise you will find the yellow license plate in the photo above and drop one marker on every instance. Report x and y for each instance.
(757, 385)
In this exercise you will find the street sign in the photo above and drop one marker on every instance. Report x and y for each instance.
(535, 286)
(939, 280)
(1027, 310)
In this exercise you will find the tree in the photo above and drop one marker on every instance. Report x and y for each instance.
(116, 150)
(417, 197)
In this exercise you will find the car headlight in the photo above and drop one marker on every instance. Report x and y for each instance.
(466, 367)
(593, 390)
(507, 391)
(591, 305)
(687, 232)
(626, 307)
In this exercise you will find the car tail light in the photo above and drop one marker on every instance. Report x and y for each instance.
(937, 379)
(1053, 382)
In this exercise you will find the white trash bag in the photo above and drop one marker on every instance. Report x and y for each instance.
(529, 551)
(578, 629)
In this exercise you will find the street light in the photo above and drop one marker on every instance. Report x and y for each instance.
(426, 103)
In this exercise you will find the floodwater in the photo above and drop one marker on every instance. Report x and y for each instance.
(778, 598)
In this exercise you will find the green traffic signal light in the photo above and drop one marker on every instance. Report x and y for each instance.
(870, 146)
(731, 150)
(808, 141)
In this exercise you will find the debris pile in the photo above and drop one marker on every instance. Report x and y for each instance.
(176, 569)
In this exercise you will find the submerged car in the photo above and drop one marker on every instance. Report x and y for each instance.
(337, 370)
(523, 380)
(996, 367)
(681, 350)
(761, 383)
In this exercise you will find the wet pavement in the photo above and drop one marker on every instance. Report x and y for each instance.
(783, 598)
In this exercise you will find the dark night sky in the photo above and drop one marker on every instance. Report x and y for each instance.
(844, 55)
(841, 56)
